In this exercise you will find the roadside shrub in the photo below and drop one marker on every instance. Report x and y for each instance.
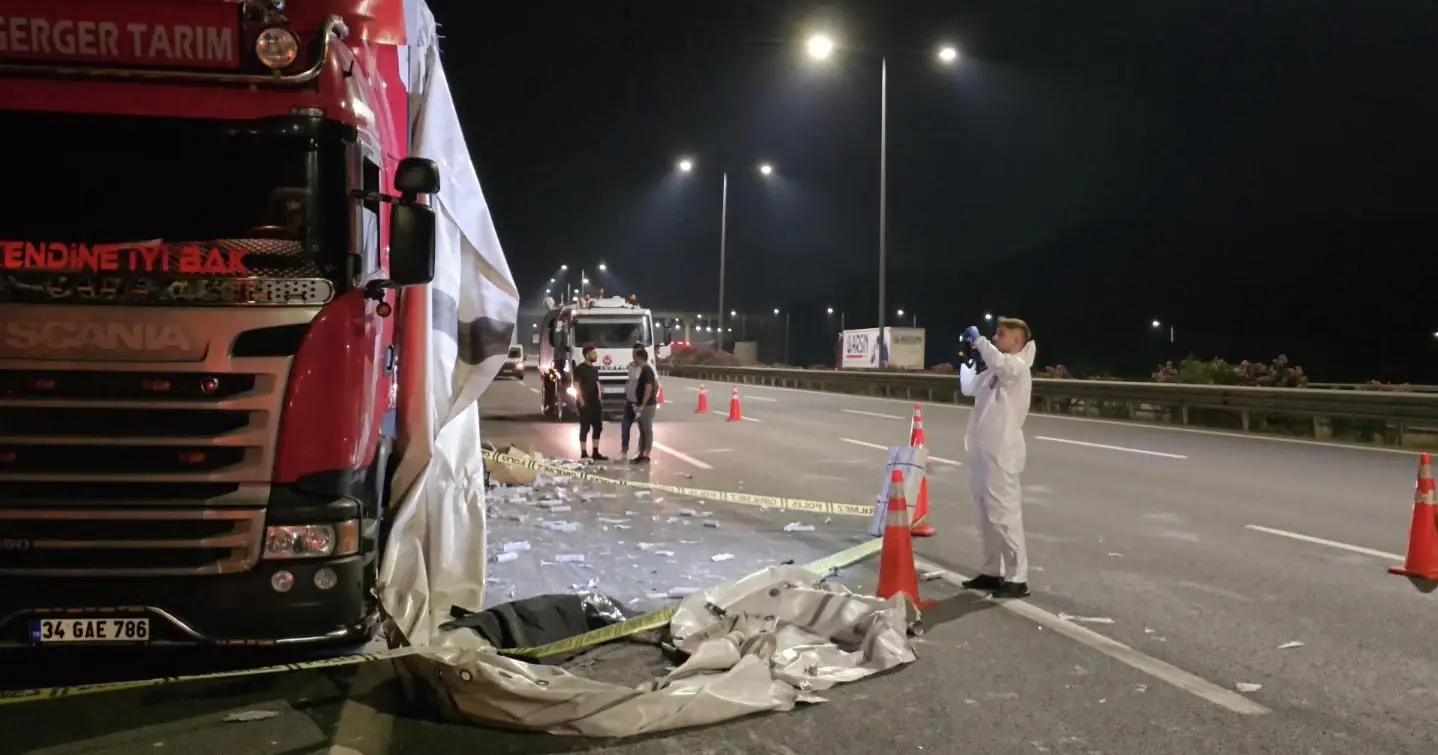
(1280, 373)
(701, 355)
(1054, 372)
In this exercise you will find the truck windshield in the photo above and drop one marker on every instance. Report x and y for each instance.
(264, 187)
(609, 334)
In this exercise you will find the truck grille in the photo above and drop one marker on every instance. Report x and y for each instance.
(104, 423)
(129, 542)
(134, 470)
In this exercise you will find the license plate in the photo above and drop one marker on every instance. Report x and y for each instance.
(55, 631)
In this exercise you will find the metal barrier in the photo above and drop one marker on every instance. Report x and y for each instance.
(1328, 413)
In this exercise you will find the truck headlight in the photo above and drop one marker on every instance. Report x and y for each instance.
(312, 540)
(572, 393)
(277, 47)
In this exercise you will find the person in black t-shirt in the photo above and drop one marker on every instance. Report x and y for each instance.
(591, 410)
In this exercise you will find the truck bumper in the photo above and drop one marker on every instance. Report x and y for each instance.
(242, 609)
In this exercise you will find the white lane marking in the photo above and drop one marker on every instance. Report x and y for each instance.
(533, 390)
(867, 444)
(726, 414)
(1035, 416)
(718, 450)
(680, 455)
(1197, 686)
(743, 395)
(1321, 541)
(872, 414)
(1107, 447)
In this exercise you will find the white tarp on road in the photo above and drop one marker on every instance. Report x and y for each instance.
(780, 636)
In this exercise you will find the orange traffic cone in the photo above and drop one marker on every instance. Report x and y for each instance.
(734, 412)
(916, 429)
(897, 573)
(921, 527)
(1422, 561)
(703, 407)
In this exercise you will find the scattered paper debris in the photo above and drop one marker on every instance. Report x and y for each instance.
(569, 558)
(504, 558)
(682, 592)
(1086, 619)
(717, 557)
(1290, 645)
(798, 527)
(1115, 555)
(931, 576)
(1249, 687)
(711, 524)
(245, 716)
(516, 546)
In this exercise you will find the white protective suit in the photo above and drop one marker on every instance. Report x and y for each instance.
(995, 443)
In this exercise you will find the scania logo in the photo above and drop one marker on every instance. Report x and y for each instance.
(14, 544)
(608, 360)
(80, 339)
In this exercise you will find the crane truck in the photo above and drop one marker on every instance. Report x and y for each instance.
(204, 241)
(614, 325)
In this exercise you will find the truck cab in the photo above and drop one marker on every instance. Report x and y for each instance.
(203, 239)
(614, 326)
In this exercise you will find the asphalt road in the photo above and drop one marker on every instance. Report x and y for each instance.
(1170, 567)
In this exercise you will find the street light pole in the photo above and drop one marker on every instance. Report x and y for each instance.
(723, 247)
(883, 182)
(786, 338)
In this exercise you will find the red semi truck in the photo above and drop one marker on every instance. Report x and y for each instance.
(204, 230)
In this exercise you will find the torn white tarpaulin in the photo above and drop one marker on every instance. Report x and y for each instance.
(780, 636)
(457, 333)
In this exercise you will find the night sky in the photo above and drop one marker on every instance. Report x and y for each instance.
(1258, 174)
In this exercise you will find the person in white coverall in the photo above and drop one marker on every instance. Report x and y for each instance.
(995, 443)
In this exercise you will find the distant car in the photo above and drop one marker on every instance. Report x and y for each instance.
(514, 365)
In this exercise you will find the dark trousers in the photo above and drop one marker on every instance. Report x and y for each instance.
(591, 418)
(625, 425)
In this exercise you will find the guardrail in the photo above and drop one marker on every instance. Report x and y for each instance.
(1384, 417)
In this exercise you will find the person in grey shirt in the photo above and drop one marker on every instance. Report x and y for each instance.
(646, 390)
(631, 397)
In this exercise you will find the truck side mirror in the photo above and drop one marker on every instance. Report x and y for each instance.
(411, 244)
(415, 176)
(412, 225)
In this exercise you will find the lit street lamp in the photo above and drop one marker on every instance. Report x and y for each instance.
(603, 267)
(842, 327)
(1157, 325)
(900, 315)
(822, 47)
(686, 165)
(786, 334)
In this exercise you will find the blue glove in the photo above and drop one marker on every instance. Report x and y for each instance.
(971, 335)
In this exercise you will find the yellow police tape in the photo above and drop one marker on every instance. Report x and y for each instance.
(746, 499)
(656, 620)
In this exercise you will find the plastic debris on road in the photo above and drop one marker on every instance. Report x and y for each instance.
(548, 531)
